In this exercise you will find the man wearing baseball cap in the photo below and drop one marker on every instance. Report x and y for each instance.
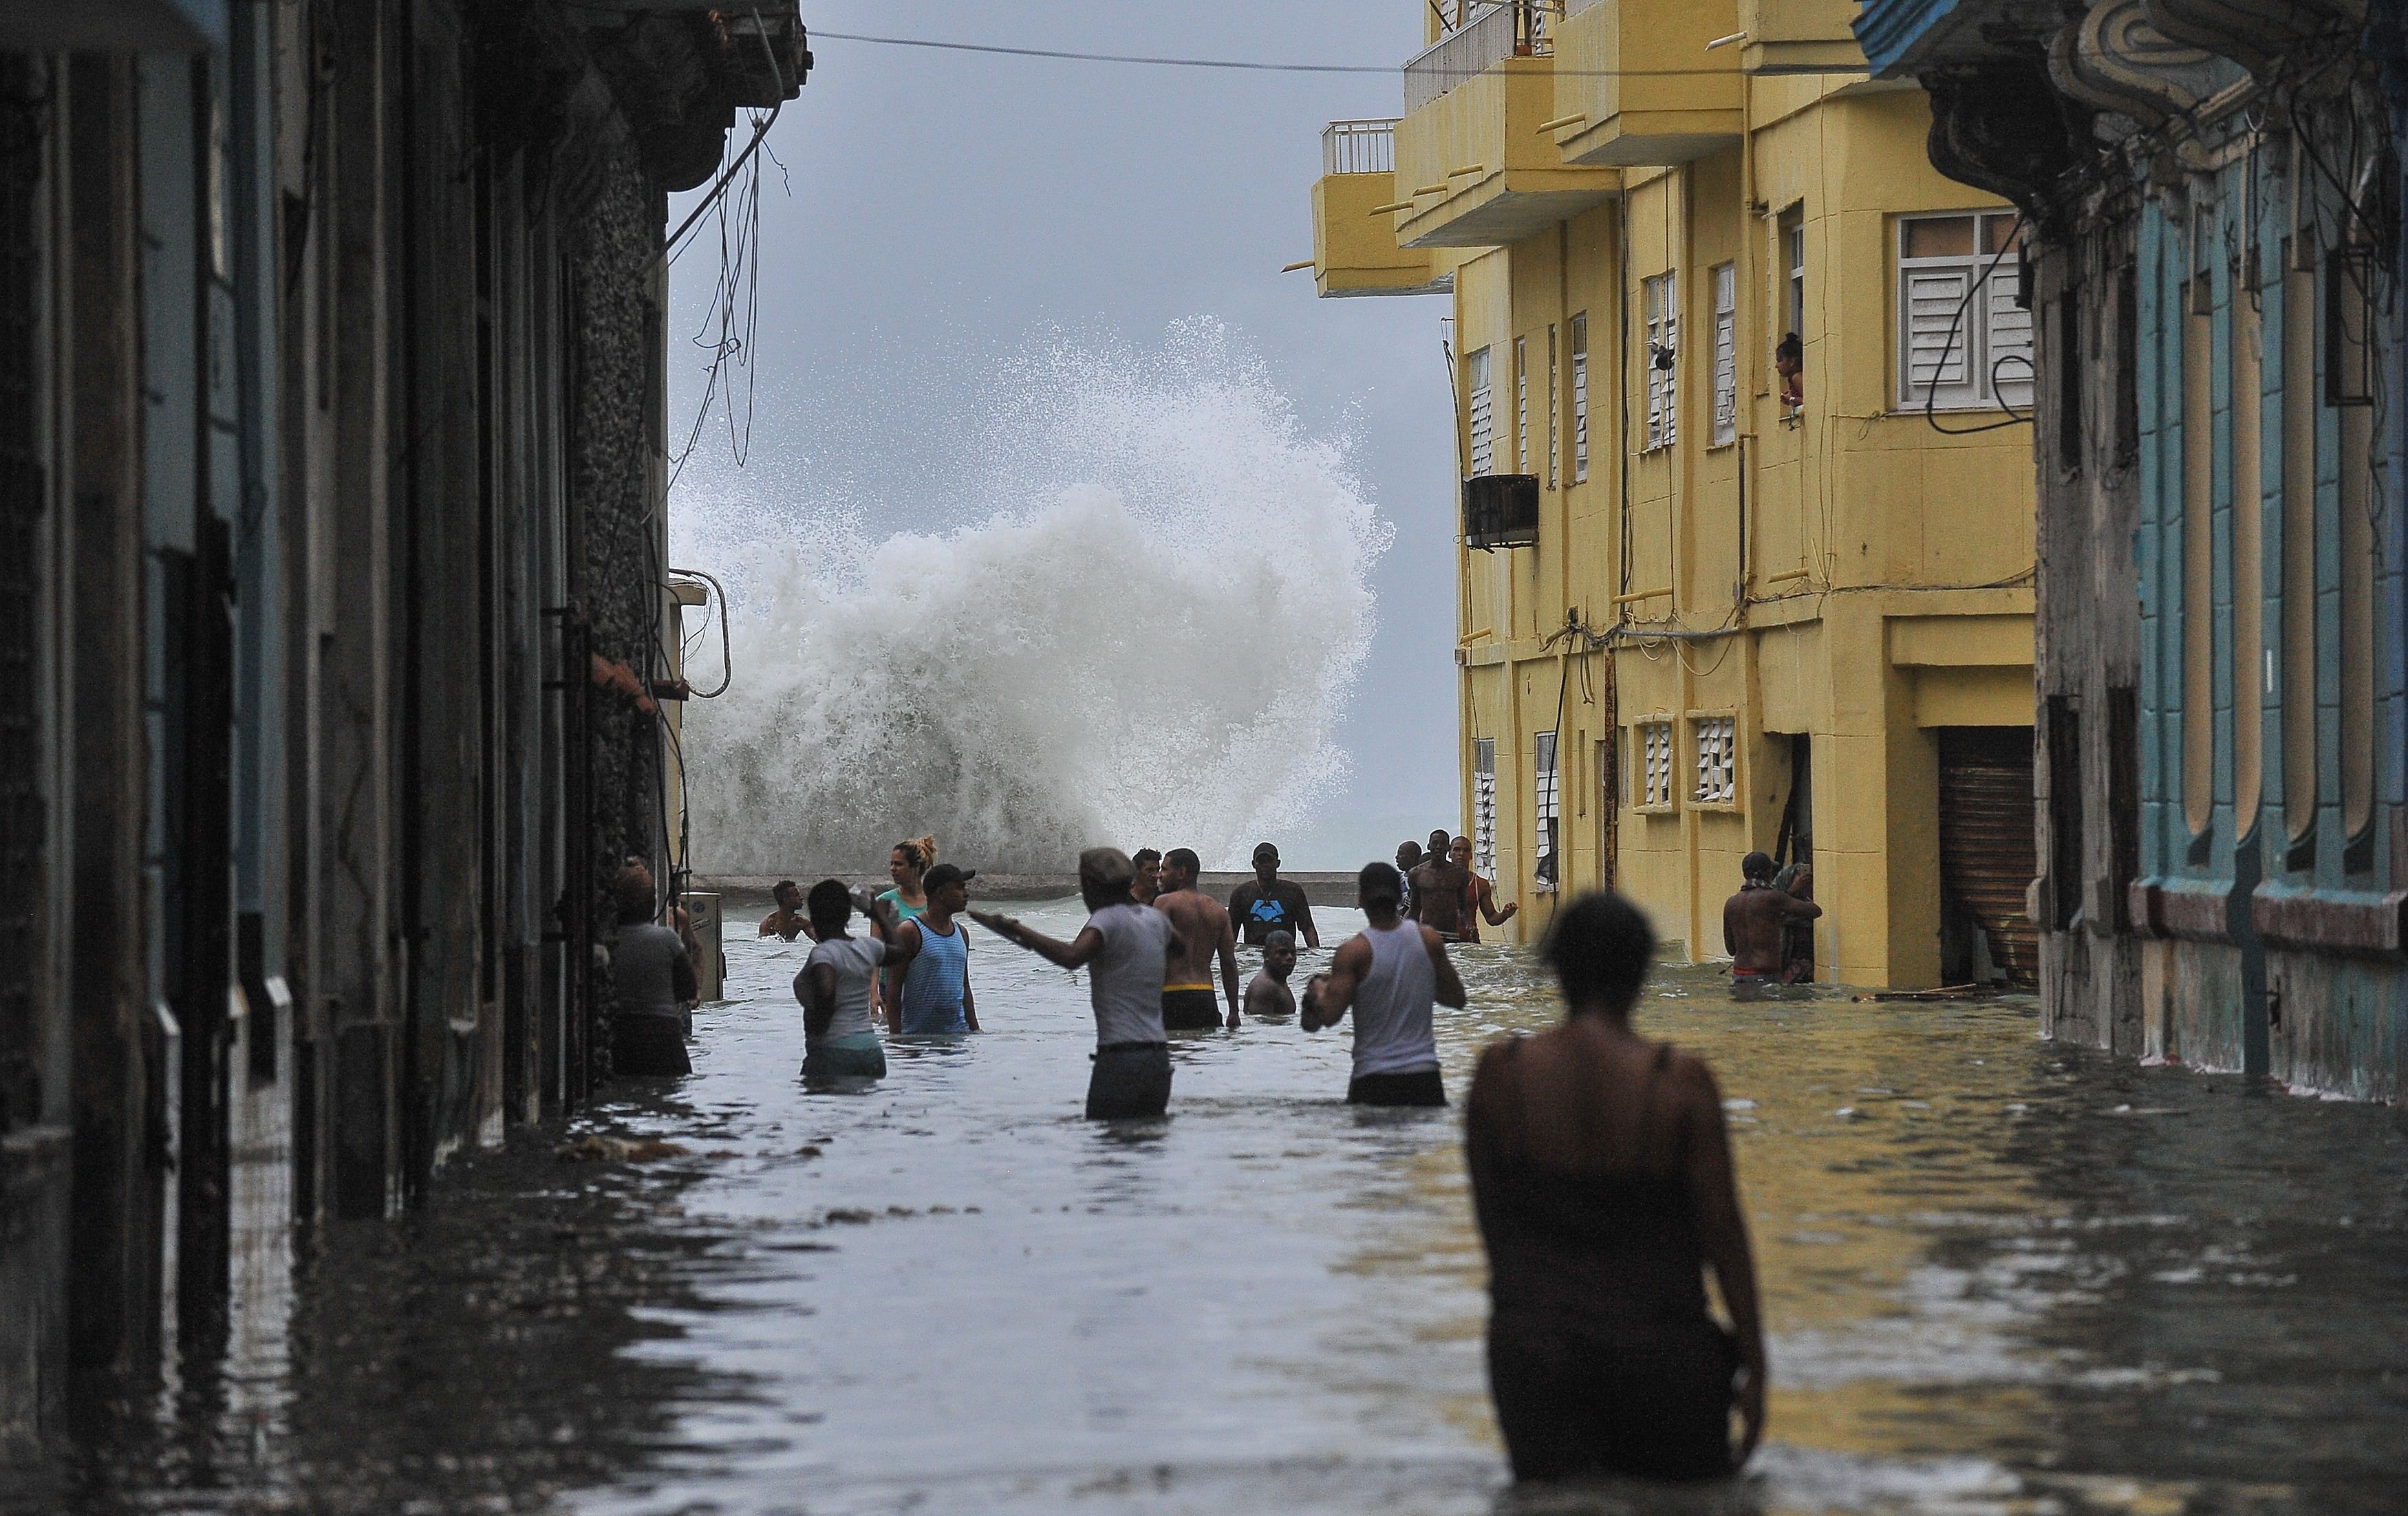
(1268, 903)
(934, 999)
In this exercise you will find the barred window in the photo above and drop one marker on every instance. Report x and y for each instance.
(1656, 763)
(1717, 762)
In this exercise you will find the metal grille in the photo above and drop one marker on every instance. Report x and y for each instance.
(1521, 406)
(1717, 762)
(1484, 804)
(1988, 851)
(1656, 763)
(1489, 33)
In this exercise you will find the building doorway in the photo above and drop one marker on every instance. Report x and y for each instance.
(1988, 856)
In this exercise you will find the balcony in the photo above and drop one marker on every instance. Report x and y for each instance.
(1500, 510)
(1801, 36)
(1630, 86)
(1472, 168)
(1354, 247)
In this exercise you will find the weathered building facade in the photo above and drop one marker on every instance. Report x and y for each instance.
(1703, 610)
(332, 517)
(2214, 191)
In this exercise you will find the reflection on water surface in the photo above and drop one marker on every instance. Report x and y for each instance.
(2000, 1277)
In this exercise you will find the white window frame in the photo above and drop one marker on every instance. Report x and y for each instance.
(1546, 762)
(1662, 307)
(1521, 406)
(1479, 417)
(1484, 805)
(1554, 411)
(1726, 417)
(1793, 258)
(1579, 398)
(1653, 738)
(1989, 364)
(1714, 760)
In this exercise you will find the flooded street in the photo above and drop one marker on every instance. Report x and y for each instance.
(2000, 1276)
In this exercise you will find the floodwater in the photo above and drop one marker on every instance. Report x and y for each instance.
(2000, 1277)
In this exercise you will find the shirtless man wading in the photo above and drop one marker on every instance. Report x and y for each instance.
(1753, 922)
(1267, 993)
(1187, 1001)
(1438, 886)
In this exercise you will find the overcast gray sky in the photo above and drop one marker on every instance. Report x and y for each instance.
(939, 210)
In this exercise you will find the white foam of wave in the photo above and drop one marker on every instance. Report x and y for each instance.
(1143, 632)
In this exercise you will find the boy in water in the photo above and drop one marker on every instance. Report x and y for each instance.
(1267, 993)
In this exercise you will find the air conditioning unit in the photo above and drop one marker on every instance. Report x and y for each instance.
(1500, 510)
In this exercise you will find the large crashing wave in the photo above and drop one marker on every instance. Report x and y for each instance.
(1144, 634)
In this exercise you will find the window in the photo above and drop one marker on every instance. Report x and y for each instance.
(2198, 556)
(1717, 762)
(1484, 804)
(1521, 406)
(1555, 412)
(1962, 340)
(1547, 871)
(1579, 398)
(1793, 263)
(1655, 765)
(1475, 382)
(1663, 310)
(1726, 354)
(2298, 692)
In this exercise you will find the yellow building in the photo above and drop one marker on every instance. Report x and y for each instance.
(1697, 617)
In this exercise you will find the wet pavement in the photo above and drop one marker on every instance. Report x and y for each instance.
(2000, 1277)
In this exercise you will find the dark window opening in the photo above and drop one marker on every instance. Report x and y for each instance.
(2066, 852)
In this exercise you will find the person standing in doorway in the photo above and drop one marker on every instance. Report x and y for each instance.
(933, 997)
(1127, 949)
(1601, 1178)
(1268, 903)
(1148, 882)
(1389, 974)
(1188, 1002)
(839, 1036)
(653, 975)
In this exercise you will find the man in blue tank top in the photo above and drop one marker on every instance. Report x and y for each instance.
(1389, 975)
(935, 999)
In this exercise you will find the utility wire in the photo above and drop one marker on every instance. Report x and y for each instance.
(1244, 64)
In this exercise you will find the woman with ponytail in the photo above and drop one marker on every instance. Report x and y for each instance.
(907, 865)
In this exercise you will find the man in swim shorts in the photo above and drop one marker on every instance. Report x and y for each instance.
(934, 998)
(1389, 975)
(1126, 949)
(1755, 922)
(1148, 882)
(788, 921)
(1267, 993)
(1479, 895)
(840, 1037)
(1268, 903)
(1187, 1001)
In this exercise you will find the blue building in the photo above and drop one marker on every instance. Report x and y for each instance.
(2211, 193)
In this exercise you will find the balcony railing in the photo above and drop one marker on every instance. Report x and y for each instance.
(1366, 146)
(1506, 29)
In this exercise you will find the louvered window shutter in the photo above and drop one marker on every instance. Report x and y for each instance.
(1580, 399)
(2007, 355)
(1482, 442)
(1928, 300)
(1521, 406)
(1726, 354)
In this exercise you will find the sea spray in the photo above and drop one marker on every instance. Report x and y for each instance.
(1143, 632)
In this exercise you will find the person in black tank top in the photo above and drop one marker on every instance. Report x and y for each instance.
(1601, 1175)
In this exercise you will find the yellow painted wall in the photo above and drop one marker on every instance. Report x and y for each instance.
(1883, 591)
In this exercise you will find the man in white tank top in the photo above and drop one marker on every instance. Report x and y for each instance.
(1389, 975)
(1126, 949)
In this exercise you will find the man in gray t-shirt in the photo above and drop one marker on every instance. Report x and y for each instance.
(1126, 949)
